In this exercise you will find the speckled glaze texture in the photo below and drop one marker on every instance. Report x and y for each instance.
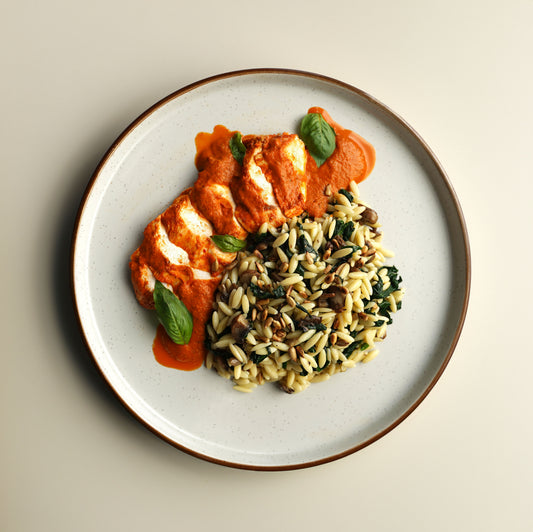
(199, 412)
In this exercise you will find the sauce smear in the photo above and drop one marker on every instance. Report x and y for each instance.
(353, 159)
(172, 355)
(217, 196)
(197, 296)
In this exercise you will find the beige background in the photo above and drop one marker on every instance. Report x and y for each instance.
(75, 74)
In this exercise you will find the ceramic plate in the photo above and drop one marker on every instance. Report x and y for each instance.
(199, 412)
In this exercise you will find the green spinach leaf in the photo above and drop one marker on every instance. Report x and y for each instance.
(346, 193)
(279, 291)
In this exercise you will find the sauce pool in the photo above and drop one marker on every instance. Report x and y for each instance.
(172, 355)
(197, 295)
(352, 159)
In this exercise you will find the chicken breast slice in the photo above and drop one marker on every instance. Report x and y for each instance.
(215, 202)
(273, 184)
(189, 230)
(176, 249)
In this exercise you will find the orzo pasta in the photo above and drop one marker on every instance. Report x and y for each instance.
(306, 300)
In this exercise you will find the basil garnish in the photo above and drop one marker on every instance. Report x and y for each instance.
(318, 137)
(228, 243)
(173, 314)
(238, 149)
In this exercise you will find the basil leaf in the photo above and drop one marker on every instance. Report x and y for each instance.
(228, 243)
(318, 137)
(238, 149)
(173, 314)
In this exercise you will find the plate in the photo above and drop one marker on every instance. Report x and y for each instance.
(198, 412)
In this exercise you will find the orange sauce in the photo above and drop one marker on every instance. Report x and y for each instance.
(353, 159)
(284, 177)
(172, 355)
(212, 147)
(216, 166)
(269, 153)
(197, 297)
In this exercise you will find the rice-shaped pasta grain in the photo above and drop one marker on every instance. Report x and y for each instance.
(309, 300)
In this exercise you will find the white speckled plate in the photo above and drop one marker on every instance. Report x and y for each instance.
(199, 412)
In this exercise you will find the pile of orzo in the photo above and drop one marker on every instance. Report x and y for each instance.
(306, 300)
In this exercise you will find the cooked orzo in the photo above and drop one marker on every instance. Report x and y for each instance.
(306, 300)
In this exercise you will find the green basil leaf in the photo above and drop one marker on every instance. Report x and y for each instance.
(238, 149)
(173, 314)
(318, 137)
(228, 243)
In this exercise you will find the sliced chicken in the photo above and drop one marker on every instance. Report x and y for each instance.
(188, 229)
(175, 250)
(226, 199)
(277, 180)
(217, 169)
(272, 187)
(216, 203)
